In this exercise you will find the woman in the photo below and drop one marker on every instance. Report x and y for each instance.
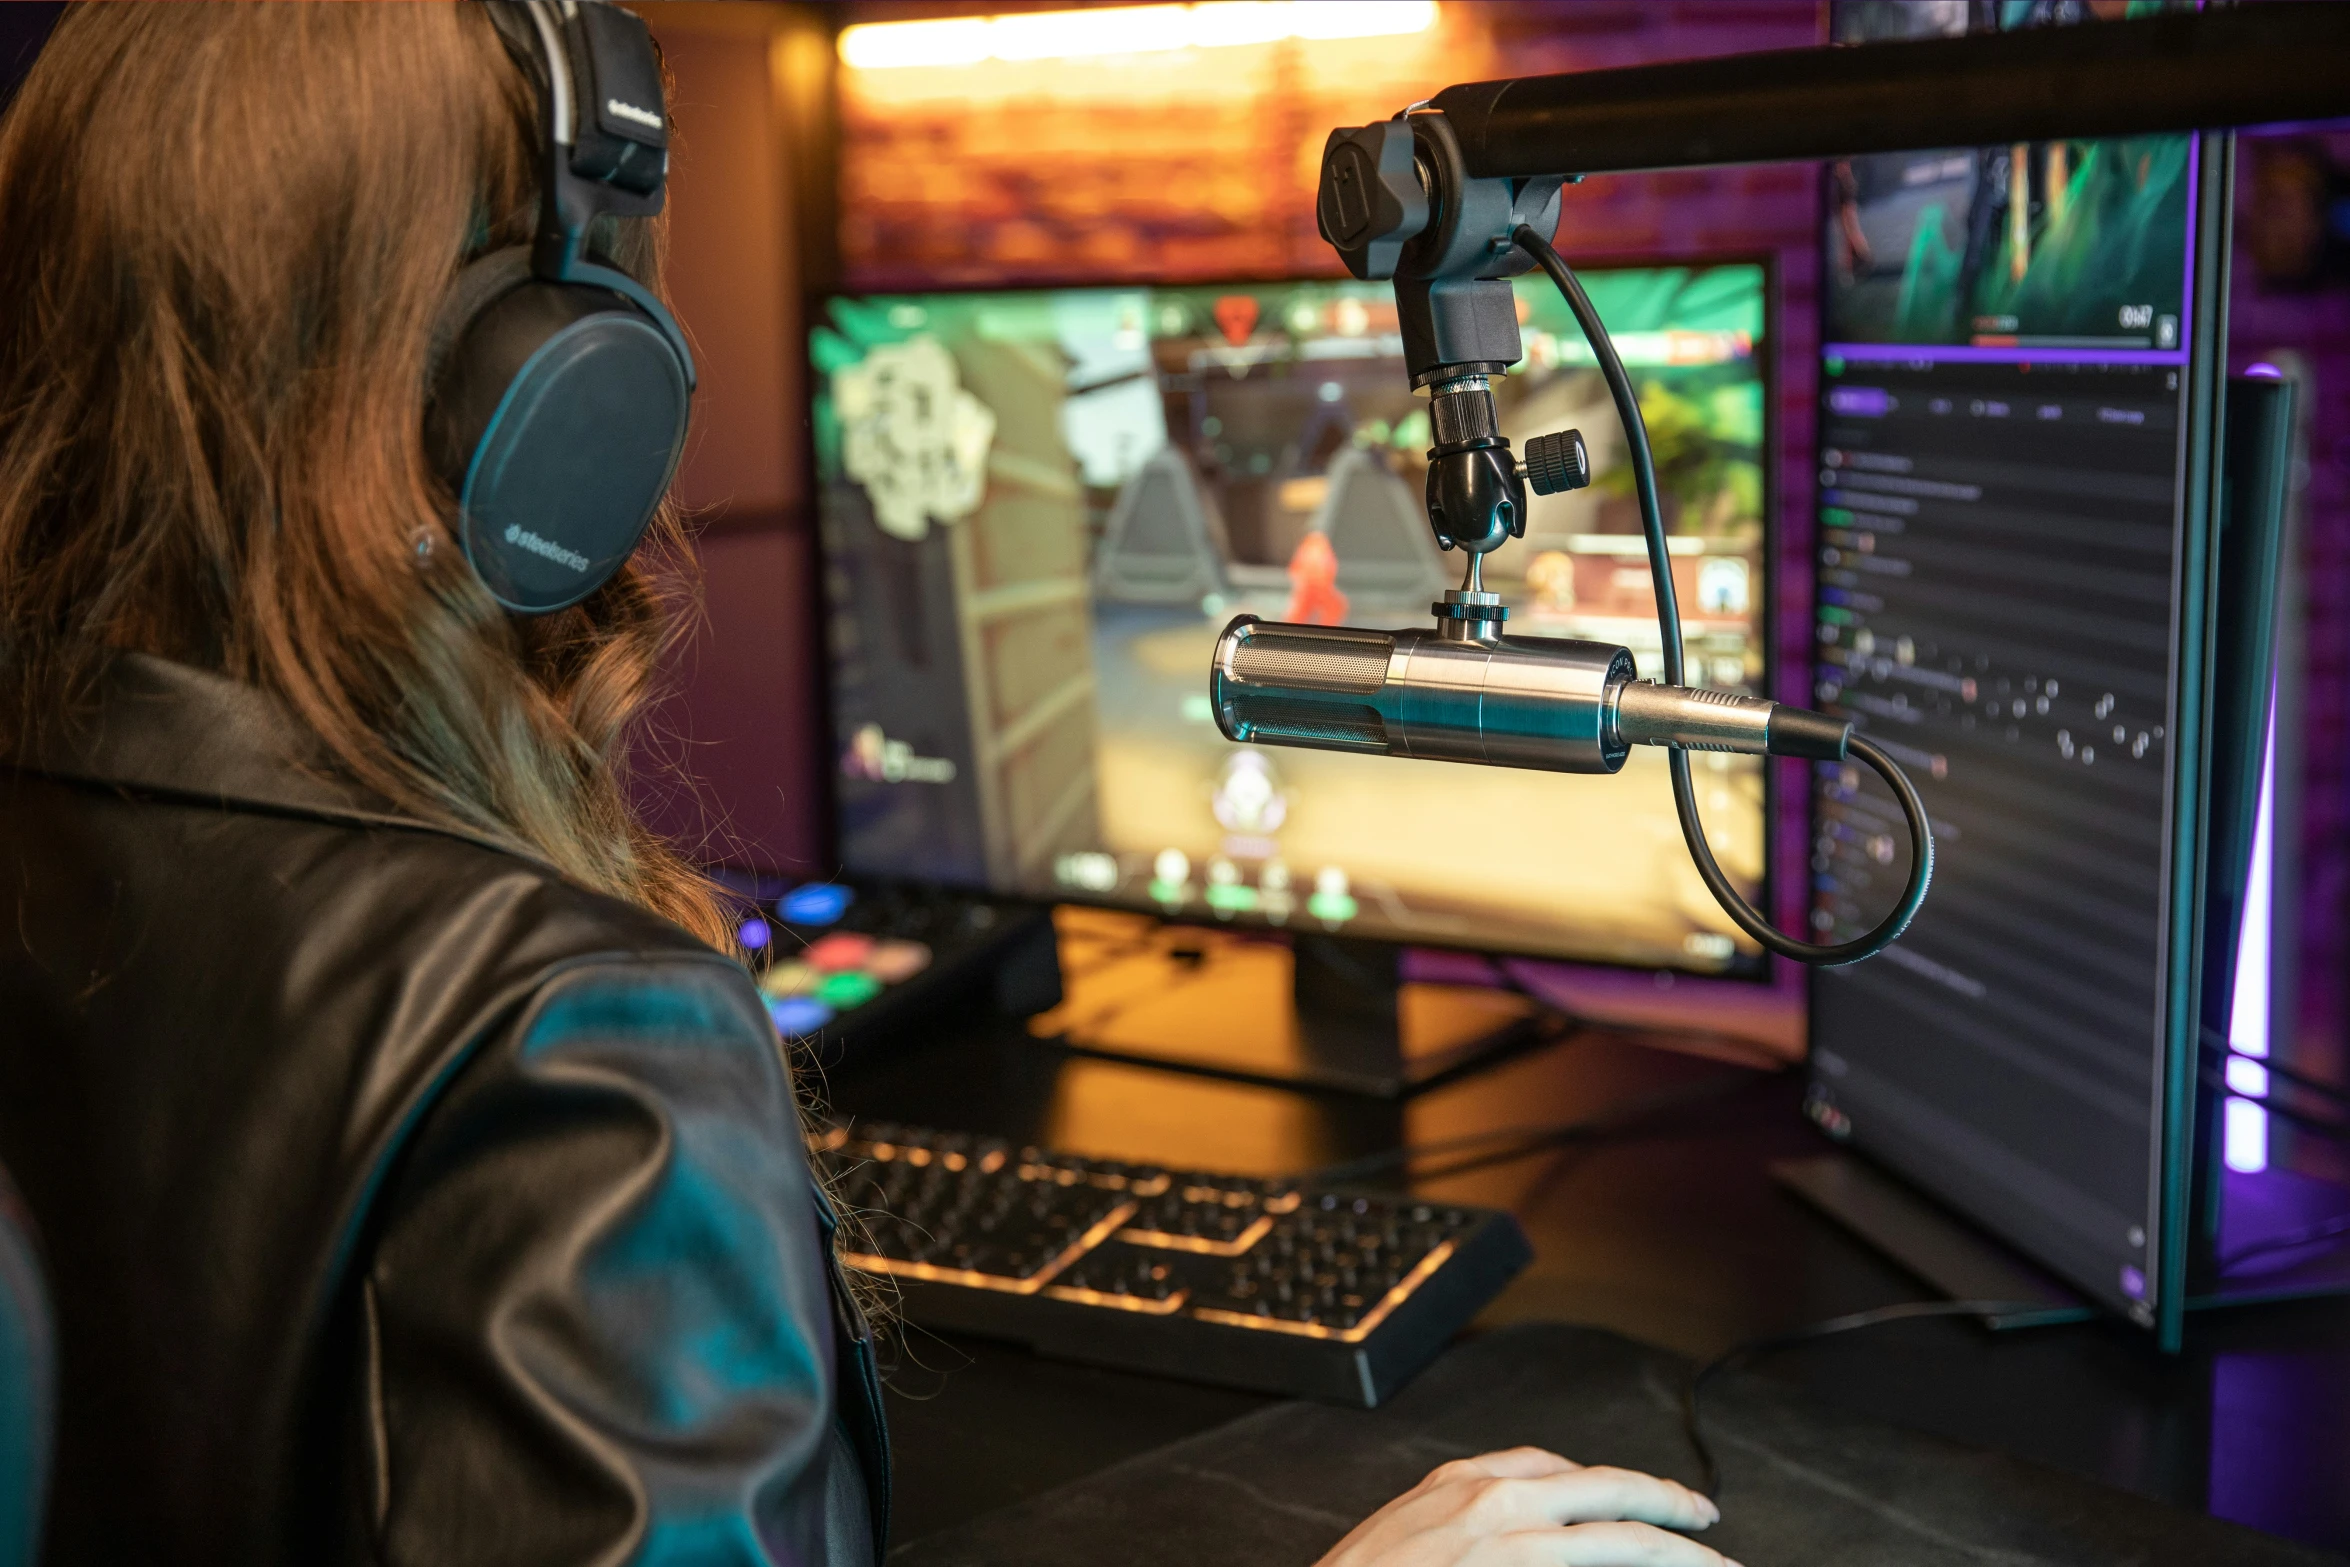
(417, 1183)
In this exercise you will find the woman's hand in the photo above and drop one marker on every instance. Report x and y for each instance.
(1529, 1508)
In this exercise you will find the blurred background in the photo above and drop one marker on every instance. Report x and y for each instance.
(807, 165)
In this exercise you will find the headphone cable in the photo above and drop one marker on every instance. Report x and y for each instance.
(1693, 1395)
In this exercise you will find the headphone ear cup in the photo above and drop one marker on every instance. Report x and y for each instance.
(557, 415)
(481, 284)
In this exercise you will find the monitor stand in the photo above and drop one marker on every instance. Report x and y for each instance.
(1301, 1010)
(1940, 1248)
(2265, 1214)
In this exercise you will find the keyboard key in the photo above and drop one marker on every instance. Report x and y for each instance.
(895, 962)
(842, 950)
(816, 903)
(797, 1015)
(851, 988)
(788, 979)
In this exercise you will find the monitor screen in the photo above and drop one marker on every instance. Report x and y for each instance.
(1040, 508)
(2011, 444)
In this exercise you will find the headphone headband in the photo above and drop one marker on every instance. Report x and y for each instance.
(604, 119)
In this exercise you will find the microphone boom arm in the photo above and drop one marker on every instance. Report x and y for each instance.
(2205, 69)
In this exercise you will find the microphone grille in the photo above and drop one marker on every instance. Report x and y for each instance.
(1321, 661)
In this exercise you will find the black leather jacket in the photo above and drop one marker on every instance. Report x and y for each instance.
(401, 1201)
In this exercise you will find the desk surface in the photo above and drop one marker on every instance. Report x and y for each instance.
(1677, 1238)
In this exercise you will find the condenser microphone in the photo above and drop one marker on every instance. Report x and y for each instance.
(1465, 693)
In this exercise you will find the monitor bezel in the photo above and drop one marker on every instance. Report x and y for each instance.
(1747, 969)
(2211, 224)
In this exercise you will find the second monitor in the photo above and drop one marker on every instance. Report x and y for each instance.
(1040, 507)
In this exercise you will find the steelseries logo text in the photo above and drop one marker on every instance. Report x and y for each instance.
(631, 113)
(546, 549)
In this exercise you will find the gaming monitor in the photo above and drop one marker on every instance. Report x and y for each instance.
(1039, 508)
(2016, 595)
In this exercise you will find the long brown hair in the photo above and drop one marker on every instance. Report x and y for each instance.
(227, 231)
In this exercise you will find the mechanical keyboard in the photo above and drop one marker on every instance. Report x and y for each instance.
(1265, 1284)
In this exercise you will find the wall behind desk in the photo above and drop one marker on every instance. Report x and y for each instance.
(728, 764)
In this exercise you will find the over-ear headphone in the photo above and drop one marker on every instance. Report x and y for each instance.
(559, 385)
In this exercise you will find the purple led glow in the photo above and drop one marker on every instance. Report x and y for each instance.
(1866, 402)
(2243, 1123)
(754, 934)
(2264, 371)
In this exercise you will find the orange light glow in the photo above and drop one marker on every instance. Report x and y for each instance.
(1167, 163)
(1354, 1335)
(1166, 1307)
(1118, 30)
(973, 1279)
(1167, 1241)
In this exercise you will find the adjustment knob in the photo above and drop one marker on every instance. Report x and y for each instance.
(1557, 462)
(1370, 204)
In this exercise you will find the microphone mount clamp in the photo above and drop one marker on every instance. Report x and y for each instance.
(1397, 202)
